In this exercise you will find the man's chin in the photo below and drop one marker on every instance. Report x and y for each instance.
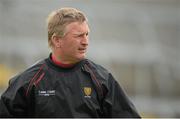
(81, 58)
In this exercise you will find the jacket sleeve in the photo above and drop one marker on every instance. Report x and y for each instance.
(116, 103)
(13, 101)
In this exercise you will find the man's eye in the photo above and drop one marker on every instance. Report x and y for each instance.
(80, 35)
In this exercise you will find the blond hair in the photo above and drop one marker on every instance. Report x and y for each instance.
(59, 19)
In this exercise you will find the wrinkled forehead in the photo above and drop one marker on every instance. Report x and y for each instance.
(77, 28)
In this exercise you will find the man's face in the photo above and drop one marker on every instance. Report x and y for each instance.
(75, 42)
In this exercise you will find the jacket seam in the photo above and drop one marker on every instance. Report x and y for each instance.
(31, 81)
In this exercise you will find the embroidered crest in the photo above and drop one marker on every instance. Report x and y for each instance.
(87, 91)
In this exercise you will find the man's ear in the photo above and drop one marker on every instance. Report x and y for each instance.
(56, 40)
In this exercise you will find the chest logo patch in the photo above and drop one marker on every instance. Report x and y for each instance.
(87, 91)
(46, 92)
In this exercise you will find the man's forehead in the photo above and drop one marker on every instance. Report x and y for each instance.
(77, 28)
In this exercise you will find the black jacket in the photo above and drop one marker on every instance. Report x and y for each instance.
(47, 90)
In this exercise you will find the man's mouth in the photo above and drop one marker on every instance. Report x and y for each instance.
(82, 50)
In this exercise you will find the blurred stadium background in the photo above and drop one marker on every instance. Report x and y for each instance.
(137, 40)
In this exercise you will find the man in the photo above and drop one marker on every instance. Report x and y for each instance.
(66, 84)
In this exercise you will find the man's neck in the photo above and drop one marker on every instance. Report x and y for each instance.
(60, 63)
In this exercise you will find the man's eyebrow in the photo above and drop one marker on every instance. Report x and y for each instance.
(80, 33)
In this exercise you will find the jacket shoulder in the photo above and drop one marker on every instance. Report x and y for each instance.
(101, 71)
(19, 83)
(24, 77)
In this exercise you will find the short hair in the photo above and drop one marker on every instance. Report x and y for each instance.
(60, 18)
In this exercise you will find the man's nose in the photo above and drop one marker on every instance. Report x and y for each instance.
(85, 40)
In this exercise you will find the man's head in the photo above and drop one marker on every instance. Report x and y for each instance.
(59, 19)
(68, 34)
